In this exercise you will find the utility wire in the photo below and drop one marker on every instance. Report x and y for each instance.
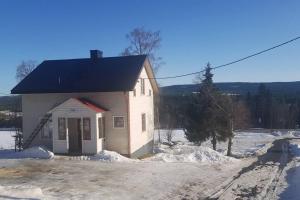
(233, 62)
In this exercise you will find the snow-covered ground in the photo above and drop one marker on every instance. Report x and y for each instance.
(245, 143)
(6, 139)
(289, 181)
(183, 170)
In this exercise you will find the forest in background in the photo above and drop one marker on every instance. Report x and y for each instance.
(271, 105)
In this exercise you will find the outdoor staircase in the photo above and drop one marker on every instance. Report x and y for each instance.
(36, 131)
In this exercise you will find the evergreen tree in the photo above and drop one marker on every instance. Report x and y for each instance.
(206, 117)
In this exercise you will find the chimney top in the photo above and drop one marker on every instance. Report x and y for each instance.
(96, 54)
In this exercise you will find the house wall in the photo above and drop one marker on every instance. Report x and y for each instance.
(36, 105)
(141, 104)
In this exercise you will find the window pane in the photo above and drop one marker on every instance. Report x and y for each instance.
(143, 122)
(86, 129)
(143, 86)
(46, 131)
(61, 128)
(100, 127)
(119, 122)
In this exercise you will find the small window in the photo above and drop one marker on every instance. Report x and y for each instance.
(142, 86)
(62, 129)
(134, 92)
(143, 122)
(86, 129)
(119, 122)
(150, 92)
(46, 131)
(101, 127)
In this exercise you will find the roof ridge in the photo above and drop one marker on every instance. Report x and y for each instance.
(69, 59)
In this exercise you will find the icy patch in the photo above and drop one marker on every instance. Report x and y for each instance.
(33, 152)
(189, 153)
(21, 192)
(111, 156)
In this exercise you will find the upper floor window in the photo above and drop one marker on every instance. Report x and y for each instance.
(150, 92)
(143, 122)
(142, 86)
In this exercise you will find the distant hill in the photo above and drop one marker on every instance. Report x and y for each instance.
(10, 102)
(278, 88)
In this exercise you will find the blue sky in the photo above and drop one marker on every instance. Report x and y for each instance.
(193, 33)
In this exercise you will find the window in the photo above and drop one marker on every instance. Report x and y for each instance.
(119, 122)
(46, 131)
(142, 86)
(101, 128)
(134, 92)
(86, 129)
(150, 92)
(143, 122)
(62, 129)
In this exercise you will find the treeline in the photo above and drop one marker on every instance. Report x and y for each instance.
(264, 109)
(271, 111)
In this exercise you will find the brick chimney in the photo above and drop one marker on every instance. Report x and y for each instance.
(96, 54)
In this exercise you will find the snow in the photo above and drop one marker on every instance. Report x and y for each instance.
(20, 192)
(7, 140)
(183, 170)
(245, 143)
(110, 156)
(186, 152)
(33, 152)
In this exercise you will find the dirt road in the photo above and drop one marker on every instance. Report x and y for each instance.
(260, 179)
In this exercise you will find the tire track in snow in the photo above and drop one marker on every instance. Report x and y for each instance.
(260, 178)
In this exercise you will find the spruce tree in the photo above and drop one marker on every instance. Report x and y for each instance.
(206, 118)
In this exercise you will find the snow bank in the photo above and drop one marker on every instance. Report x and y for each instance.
(189, 153)
(7, 140)
(295, 133)
(110, 156)
(33, 152)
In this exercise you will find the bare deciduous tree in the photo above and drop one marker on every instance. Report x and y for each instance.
(144, 42)
(240, 119)
(24, 69)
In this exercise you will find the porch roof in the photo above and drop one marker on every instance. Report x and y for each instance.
(91, 105)
(82, 102)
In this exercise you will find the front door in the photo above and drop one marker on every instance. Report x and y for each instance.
(74, 133)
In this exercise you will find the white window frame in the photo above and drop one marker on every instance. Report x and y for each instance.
(114, 121)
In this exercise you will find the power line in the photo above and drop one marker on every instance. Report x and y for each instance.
(233, 62)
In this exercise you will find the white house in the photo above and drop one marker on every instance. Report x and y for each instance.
(83, 106)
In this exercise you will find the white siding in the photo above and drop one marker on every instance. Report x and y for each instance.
(36, 105)
(141, 104)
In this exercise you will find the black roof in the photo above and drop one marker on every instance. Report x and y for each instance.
(83, 75)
